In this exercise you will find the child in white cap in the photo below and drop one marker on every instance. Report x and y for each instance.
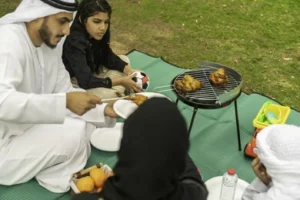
(277, 166)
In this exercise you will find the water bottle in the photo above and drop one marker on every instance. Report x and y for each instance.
(230, 179)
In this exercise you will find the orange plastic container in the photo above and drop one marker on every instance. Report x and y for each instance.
(249, 148)
(281, 112)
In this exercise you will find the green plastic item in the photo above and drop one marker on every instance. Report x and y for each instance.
(262, 118)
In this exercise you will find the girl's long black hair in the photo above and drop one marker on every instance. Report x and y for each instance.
(88, 8)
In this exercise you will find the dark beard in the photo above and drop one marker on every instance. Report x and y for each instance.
(46, 34)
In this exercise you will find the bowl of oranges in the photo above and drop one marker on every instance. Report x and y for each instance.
(91, 179)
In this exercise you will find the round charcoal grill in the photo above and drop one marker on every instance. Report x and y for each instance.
(210, 96)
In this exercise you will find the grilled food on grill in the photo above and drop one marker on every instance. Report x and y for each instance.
(188, 84)
(138, 99)
(218, 77)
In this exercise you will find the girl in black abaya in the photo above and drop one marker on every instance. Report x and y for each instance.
(153, 161)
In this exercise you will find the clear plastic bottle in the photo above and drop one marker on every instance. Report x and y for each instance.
(230, 179)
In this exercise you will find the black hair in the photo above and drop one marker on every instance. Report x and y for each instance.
(88, 8)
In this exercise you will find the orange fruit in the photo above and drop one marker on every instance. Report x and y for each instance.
(99, 176)
(85, 184)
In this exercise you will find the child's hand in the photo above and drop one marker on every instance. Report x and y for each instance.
(128, 83)
(260, 171)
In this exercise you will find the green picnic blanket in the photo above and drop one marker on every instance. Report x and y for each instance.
(214, 146)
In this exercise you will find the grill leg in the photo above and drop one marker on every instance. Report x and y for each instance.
(177, 101)
(192, 120)
(237, 125)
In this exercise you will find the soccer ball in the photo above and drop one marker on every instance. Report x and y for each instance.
(141, 79)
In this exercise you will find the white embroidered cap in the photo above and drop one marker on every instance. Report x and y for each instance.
(280, 142)
(279, 150)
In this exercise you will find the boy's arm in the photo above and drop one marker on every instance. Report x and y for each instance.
(257, 190)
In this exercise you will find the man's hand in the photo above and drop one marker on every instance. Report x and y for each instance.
(109, 110)
(260, 171)
(81, 102)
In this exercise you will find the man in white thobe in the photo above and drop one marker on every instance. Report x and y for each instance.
(44, 124)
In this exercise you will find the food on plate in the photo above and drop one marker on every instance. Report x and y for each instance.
(138, 99)
(188, 84)
(218, 77)
(85, 184)
(99, 176)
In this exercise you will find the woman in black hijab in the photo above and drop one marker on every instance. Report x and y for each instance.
(153, 158)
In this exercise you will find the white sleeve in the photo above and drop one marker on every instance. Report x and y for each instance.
(94, 116)
(29, 108)
(257, 190)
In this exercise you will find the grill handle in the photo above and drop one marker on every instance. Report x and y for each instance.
(162, 88)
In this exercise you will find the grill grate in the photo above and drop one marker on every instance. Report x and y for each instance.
(207, 93)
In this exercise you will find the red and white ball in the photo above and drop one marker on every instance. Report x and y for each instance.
(142, 80)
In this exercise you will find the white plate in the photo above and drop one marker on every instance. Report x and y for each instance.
(107, 139)
(124, 108)
(214, 188)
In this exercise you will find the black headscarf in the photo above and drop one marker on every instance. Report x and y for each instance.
(152, 154)
(85, 196)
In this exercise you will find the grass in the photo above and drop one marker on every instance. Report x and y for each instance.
(260, 39)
